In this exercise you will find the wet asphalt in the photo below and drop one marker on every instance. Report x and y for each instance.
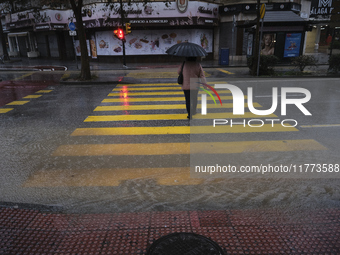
(32, 133)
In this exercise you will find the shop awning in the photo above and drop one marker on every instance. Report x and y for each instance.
(282, 16)
(17, 34)
(278, 18)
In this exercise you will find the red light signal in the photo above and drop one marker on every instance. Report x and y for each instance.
(119, 33)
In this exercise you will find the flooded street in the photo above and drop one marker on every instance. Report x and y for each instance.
(101, 149)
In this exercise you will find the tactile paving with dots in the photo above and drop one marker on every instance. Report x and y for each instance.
(236, 231)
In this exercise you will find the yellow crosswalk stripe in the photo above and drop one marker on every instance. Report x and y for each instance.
(159, 107)
(226, 115)
(230, 115)
(155, 99)
(152, 75)
(136, 117)
(32, 96)
(128, 89)
(171, 130)
(163, 84)
(109, 177)
(5, 110)
(186, 148)
(17, 103)
(139, 107)
(317, 126)
(44, 91)
(145, 93)
(224, 71)
(164, 93)
(147, 84)
(143, 99)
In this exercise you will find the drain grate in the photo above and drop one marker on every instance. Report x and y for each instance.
(184, 244)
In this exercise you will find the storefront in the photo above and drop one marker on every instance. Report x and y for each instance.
(20, 39)
(39, 33)
(283, 34)
(283, 30)
(321, 36)
(155, 27)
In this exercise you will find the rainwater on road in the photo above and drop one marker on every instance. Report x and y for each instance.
(126, 147)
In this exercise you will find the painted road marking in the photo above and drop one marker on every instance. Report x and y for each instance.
(170, 93)
(230, 115)
(128, 89)
(154, 99)
(152, 75)
(23, 76)
(44, 91)
(320, 126)
(225, 115)
(136, 117)
(32, 96)
(186, 148)
(143, 99)
(162, 84)
(159, 107)
(140, 75)
(5, 110)
(109, 177)
(18, 103)
(65, 76)
(172, 130)
(146, 84)
(224, 71)
(120, 93)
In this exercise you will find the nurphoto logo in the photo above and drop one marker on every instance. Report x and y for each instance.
(238, 104)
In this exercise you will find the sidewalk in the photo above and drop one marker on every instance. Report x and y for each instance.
(29, 231)
(40, 63)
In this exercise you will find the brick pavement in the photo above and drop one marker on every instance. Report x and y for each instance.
(272, 231)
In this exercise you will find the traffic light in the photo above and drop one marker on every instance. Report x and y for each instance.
(119, 33)
(128, 28)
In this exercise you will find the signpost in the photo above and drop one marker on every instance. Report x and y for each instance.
(232, 40)
(72, 26)
(73, 33)
(262, 13)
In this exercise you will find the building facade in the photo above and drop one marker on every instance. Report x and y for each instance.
(155, 27)
(290, 28)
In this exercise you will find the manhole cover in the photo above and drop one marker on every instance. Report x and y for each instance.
(184, 244)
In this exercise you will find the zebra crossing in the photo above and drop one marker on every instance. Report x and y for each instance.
(24, 100)
(139, 115)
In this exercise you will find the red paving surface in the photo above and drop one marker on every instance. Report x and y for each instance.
(14, 90)
(24, 231)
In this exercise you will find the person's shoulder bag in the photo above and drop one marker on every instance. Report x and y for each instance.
(180, 76)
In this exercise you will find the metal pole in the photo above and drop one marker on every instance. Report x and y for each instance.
(333, 34)
(122, 21)
(232, 40)
(75, 51)
(258, 60)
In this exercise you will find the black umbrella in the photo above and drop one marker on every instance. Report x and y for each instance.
(187, 49)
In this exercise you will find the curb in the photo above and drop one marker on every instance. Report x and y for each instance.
(35, 68)
(27, 206)
(71, 81)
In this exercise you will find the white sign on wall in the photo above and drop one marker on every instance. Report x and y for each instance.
(77, 46)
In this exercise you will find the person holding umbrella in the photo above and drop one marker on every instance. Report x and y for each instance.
(192, 72)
